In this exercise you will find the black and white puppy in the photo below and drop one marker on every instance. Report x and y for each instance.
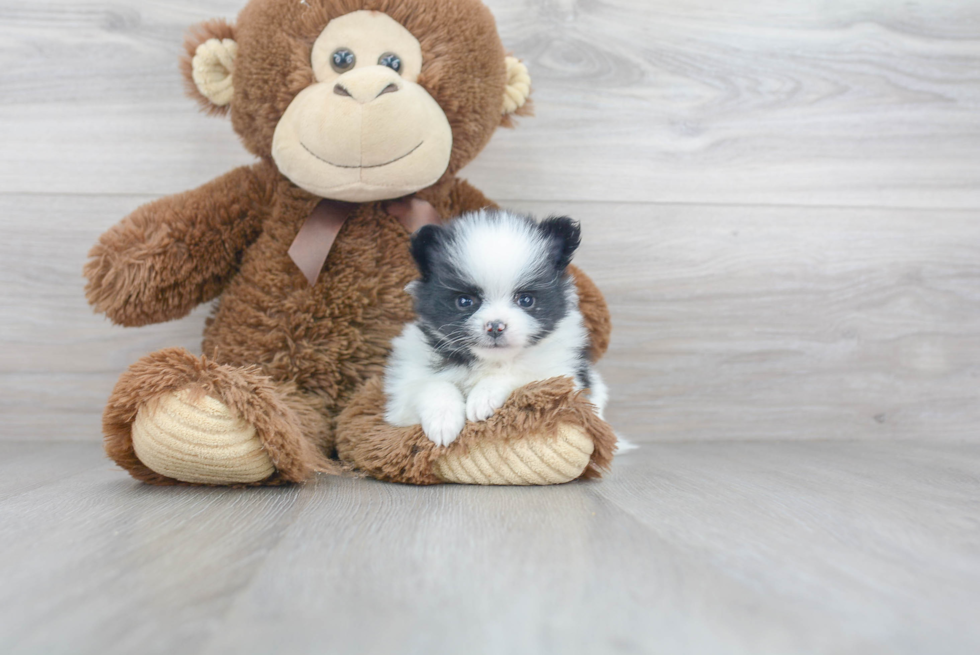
(496, 310)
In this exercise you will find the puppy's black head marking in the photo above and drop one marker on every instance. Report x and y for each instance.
(445, 275)
(564, 236)
(441, 320)
(426, 243)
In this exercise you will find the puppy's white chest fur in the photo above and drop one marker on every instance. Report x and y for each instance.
(423, 389)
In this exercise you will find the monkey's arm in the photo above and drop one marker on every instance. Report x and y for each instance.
(595, 311)
(173, 254)
(465, 197)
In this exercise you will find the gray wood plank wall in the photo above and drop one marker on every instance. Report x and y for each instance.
(781, 201)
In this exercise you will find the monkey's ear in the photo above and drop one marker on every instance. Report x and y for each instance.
(517, 93)
(209, 64)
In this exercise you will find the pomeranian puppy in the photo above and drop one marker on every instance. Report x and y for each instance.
(496, 310)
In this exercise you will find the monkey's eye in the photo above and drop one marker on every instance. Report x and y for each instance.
(525, 300)
(464, 302)
(342, 60)
(392, 61)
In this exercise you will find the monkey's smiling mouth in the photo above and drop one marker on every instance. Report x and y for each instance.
(369, 166)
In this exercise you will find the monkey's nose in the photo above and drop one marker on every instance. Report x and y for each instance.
(495, 328)
(341, 90)
(366, 85)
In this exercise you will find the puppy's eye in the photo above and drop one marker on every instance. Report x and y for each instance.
(392, 61)
(525, 300)
(342, 60)
(464, 302)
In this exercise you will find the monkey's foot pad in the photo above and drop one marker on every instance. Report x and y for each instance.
(530, 461)
(195, 438)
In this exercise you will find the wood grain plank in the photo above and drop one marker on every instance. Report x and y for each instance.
(29, 465)
(853, 543)
(730, 322)
(739, 322)
(862, 104)
(569, 569)
(99, 563)
(685, 548)
(450, 569)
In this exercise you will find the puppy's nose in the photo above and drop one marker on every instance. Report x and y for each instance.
(495, 328)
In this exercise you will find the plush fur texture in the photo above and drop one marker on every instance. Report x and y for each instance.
(288, 356)
(282, 421)
(463, 68)
(212, 29)
(496, 310)
(406, 455)
(365, 132)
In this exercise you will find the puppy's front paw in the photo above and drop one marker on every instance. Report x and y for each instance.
(485, 399)
(443, 421)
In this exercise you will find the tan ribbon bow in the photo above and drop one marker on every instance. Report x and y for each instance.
(312, 244)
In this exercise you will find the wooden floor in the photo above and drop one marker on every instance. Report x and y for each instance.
(686, 548)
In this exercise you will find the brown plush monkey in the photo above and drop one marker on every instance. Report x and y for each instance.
(348, 104)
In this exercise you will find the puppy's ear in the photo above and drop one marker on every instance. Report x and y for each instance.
(425, 242)
(565, 235)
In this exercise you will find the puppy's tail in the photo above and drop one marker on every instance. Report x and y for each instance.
(624, 445)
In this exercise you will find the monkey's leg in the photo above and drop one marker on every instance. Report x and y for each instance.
(546, 433)
(176, 418)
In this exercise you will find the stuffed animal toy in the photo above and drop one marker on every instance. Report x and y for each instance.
(361, 113)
